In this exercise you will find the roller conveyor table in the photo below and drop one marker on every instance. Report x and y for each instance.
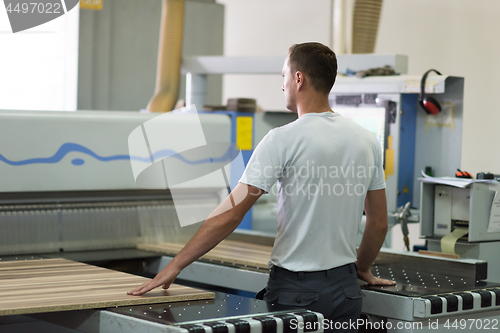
(434, 294)
(423, 290)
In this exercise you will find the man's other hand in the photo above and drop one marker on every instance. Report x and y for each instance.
(166, 277)
(368, 277)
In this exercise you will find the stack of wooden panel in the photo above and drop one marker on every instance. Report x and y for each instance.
(227, 252)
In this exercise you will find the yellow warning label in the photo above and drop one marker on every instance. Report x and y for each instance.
(244, 133)
(389, 158)
(91, 4)
(405, 190)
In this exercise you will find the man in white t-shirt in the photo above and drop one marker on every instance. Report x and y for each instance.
(328, 170)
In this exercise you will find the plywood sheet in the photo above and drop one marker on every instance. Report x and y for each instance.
(226, 252)
(48, 285)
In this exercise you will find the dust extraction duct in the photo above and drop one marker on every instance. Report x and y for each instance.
(365, 25)
(169, 57)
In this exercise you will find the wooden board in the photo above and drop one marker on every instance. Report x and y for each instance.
(227, 252)
(439, 254)
(48, 285)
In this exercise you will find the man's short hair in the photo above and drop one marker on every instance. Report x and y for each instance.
(317, 61)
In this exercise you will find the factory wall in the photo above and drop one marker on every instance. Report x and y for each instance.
(38, 67)
(268, 28)
(457, 37)
(119, 49)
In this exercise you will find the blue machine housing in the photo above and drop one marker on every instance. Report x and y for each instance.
(236, 174)
(407, 148)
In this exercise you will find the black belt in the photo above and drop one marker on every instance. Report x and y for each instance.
(313, 274)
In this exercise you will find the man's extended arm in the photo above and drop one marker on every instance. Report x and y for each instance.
(373, 237)
(220, 224)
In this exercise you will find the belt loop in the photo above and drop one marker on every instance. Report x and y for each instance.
(350, 268)
(328, 273)
(301, 275)
(272, 274)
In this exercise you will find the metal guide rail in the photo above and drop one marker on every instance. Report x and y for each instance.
(411, 282)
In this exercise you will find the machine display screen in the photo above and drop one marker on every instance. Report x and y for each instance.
(371, 118)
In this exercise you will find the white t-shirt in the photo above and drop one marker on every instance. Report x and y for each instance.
(324, 165)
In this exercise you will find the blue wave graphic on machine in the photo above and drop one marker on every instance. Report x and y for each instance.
(69, 147)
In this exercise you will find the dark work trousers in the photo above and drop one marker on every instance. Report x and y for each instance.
(335, 293)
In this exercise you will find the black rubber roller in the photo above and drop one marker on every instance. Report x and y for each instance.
(240, 326)
(193, 328)
(451, 302)
(310, 320)
(217, 327)
(467, 301)
(497, 294)
(268, 324)
(486, 298)
(287, 323)
(436, 304)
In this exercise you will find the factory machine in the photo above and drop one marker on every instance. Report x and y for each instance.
(455, 284)
(86, 186)
(429, 288)
(431, 292)
(460, 218)
(69, 190)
